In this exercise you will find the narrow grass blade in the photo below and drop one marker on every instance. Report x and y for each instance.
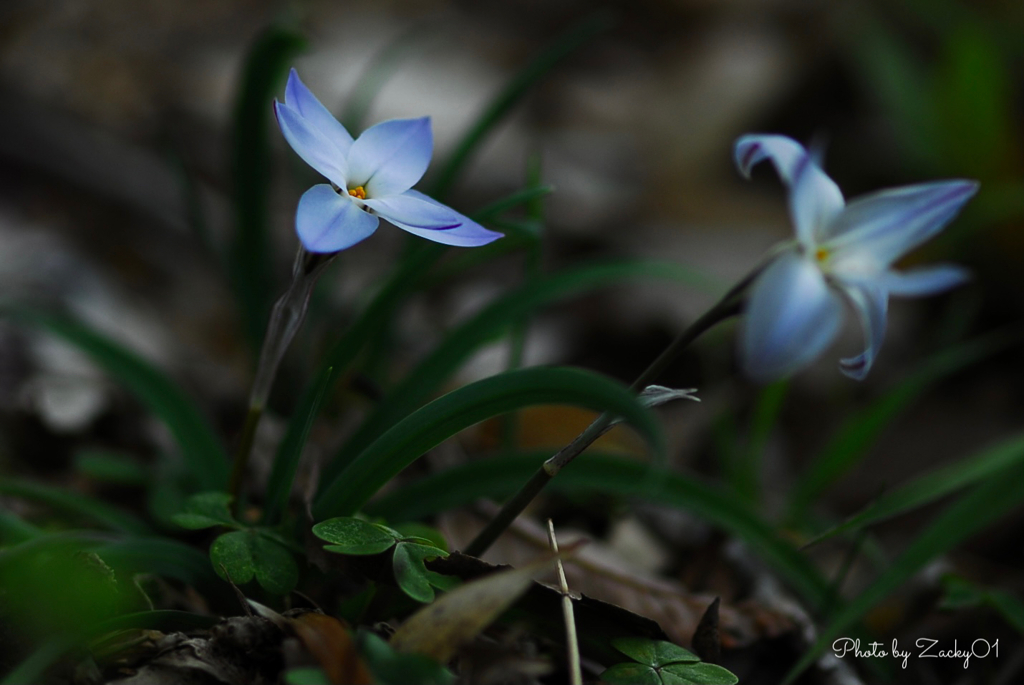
(430, 425)
(486, 326)
(747, 475)
(498, 477)
(75, 505)
(289, 453)
(164, 557)
(513, 92)
(982, 506)
(851, 442)
(933, 486)
(200, 447)
(249, 255)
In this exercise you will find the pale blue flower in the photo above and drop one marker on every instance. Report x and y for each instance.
(370, 177)
(842, 251)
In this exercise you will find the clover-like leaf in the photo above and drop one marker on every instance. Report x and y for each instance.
(699, 673)
(420, 532)
(410, 573)
(275, 566)
(349, 535)
(654, 653)
(231, 555)
(242, 555)
(631, 674)
(206, 510)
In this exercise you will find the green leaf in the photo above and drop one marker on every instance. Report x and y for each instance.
(1010, 606)
(108, 467)
(630, 674)
(697, 674)
(206, 510)
(306, 675)
(490, 323)
(14, 530)
(393, 668)
(246, 554)
(980, 507)
(74, 505)
(161, 556)
(421, 531)
(933, 486)
(499, 477)
(654, 653)
(231, 554)
(349, 535)
(434, 423)
(249, 256)
(199, 445)
(274, 565)
(289, 453)
(561, 47)
(410, 573)
(855, 438)
(960, 593)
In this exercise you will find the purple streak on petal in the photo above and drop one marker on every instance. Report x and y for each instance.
(871, 303)
(924, 281)
(814, 198)
(791, 317)
(328, 222)
(390, 157)
(415, 212)
(309, 143)
(299, 98)
(467, 234)
(785, 153)
(887, 224)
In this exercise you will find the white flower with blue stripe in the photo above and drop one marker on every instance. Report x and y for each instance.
(842, 251)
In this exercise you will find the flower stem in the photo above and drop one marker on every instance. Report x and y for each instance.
(285, 320)
(727, 307)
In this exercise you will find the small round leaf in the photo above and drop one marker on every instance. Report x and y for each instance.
(654, 653)
(630, 674)
(410, 573)
(697, 674)
(231, 553)
(349, 535)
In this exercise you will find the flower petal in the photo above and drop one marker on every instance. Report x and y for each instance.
(924, 281)
(299, 98)
(814, 198)
(314, 147)
(467, 233)
(885, 225)
(390, 157)
(413, 211)
(328, 222)
(785, 153)
(791, 318)
(814, 202)
(871, 302)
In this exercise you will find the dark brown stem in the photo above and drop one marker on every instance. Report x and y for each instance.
(727, 307)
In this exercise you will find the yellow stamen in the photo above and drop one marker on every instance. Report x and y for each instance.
(821, 254)
(358, 192)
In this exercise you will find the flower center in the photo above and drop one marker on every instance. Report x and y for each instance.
(358, 192)
(821, 254)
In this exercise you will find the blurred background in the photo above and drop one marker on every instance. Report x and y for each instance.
(116, 186)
